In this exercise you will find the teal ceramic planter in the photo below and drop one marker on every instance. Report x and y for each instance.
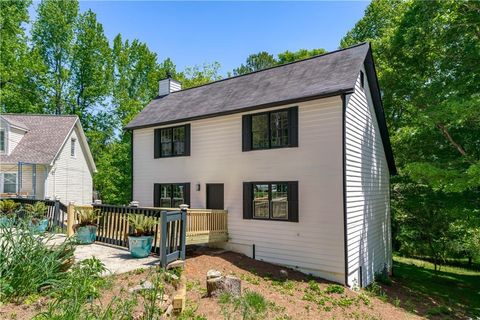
(86, 234)
(6, 222)
(39, 227)
(140, 247)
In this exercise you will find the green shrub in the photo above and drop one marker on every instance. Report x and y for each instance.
(249, 306)
(335, 288)
(8, 208)
(36, 211)
(29, 265)
(383, 278)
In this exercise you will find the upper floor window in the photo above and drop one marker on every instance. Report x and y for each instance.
(273, 129)
(172, 141)
(2, 141)
(271, 200)
(72, 147)
(362, 79)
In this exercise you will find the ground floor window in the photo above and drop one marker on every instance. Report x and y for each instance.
(171, 195)
(271, 200)
(9, 182)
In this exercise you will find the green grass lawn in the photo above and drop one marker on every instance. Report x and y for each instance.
(450, 292)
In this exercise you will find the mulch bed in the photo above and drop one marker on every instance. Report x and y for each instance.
(288, 300)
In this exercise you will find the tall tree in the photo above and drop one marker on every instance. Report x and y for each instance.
(255, 62)
(91, 65)
(427, 57)
(53, 34)
(20, 68)
(264, 60)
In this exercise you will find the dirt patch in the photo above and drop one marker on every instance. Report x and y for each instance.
(296, 298)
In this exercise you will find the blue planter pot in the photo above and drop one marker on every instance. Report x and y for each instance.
(6, 222)
(39, 227)
(140, 247)
(86, 234)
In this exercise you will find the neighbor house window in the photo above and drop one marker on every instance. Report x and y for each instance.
(72, 146)
(271, 200)
(273, 129)
(171, 195)
(9, 182)
(2, 141)
(172, 141)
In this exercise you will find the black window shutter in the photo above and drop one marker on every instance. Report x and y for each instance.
(293, 201)
(293, 127)
(156, 143)
(187, 139)
(247, 200)
(156, 194)
(186, 193)
(247, 132)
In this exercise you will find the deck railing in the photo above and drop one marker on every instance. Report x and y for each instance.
(205, 225)
(56, 212)
(113, 228)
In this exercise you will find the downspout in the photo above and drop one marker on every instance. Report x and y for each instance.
(344, 182)
(131, 165)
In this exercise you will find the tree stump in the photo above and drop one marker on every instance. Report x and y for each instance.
(217, 284)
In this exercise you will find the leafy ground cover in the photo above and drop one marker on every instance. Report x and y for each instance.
(450, 293)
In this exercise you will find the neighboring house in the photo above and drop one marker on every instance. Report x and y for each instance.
(299, 154)
(45, 157)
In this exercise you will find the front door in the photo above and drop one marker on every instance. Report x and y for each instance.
(215, 196)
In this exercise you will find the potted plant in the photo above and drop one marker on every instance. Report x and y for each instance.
(36, 214)
(141, 239)
(8, 210)
(86, 228)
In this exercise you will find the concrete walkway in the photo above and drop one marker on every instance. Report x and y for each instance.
(116, 259)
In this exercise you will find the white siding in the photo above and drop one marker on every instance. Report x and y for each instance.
(70, 179)
(14, 137)
(314, 244)
(367, 190)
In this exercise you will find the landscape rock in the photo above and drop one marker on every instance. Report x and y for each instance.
(147, 285)
(176, 264)
(284, 274)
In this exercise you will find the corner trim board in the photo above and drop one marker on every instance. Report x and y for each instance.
(344, 182)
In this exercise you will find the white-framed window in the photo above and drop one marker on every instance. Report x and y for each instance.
(3, 141)
(72, 147)
(8, 182)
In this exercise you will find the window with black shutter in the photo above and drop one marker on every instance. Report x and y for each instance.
(171, 195)
(269, 130)
(172, 141)
(271, 200)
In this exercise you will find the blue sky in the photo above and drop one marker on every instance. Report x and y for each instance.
(193, 33)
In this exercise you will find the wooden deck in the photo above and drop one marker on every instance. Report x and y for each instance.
(203, 225)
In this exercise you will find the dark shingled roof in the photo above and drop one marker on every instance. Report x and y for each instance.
(328, 74)
(44, 138)
(333, 73)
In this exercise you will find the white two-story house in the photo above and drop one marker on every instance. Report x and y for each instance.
(298, 154)
(45, 157)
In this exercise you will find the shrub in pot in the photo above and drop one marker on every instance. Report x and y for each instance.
(8, 211)
(141, 239)
(36, 215)
(86, 229)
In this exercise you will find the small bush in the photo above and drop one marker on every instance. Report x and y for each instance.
(28, 264)
(335, 288)
(250, 306)
(383, 278)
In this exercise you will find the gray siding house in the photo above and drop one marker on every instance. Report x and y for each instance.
(298, 154)
(45, 157)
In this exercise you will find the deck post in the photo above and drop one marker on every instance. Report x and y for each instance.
(56, 214)
(70, 218)
(163, 239)
(183, 231)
